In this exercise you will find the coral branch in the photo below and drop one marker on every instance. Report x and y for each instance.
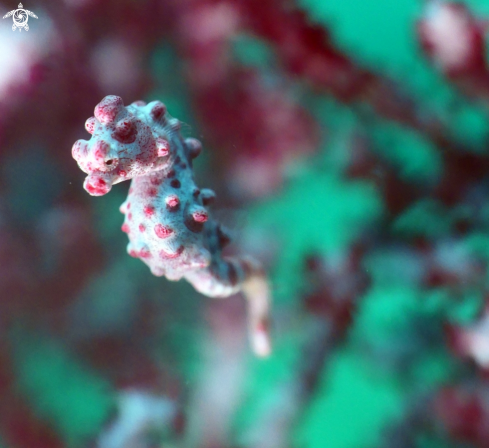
(307, 51)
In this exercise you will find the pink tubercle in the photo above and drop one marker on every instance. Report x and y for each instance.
(101, 149)
(200, 216)
(156, 181)
(158, 111)
(145, 253)
(96, 186)
(172, 202)
(125, 131)
(169, 256)
(90, 125)
(106, 111)
(194, 146)
(149, 210)
(163, 147)
(79, 149)
(163, 231)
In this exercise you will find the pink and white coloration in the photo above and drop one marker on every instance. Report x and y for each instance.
(453, 38)
(126, 142)
(166, 216)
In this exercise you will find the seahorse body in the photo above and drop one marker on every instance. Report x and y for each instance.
(166, 215)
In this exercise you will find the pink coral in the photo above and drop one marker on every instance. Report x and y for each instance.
(452, 37)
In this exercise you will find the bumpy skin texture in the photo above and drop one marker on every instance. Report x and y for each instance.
(126, 142)
(165, 214)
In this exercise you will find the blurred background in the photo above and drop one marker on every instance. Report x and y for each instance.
(347, 144)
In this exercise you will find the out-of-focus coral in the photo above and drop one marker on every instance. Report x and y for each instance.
(258, 127)
(453, 38)
(139, 414)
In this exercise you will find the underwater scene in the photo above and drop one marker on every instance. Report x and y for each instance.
(244, 224)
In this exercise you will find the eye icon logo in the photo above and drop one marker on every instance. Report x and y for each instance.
(20, 17)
